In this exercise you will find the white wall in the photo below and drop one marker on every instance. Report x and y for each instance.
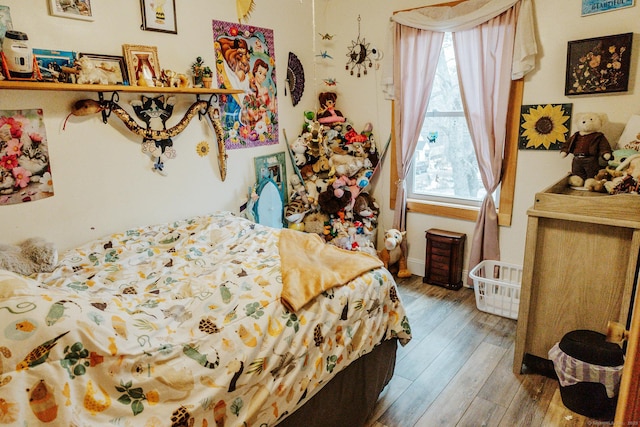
(557, 23)
(102, 180)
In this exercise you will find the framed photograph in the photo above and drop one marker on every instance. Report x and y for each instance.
(159, 16)
(590, 7)
(598, 65)
(55, 65)
(142, 64)
(273, 166)
(112, 65)
(76, 9)
(544, 126)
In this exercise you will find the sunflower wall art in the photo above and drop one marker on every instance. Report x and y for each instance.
(245, 59)
(544, 127)
(25, 174)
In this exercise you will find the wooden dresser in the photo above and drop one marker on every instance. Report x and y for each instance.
(444, 257)
(580, 266)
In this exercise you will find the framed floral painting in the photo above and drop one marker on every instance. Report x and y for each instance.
(544, 127)
(25, 174)
(598, 65)
(245, 59)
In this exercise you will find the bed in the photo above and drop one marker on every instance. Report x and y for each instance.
(199, 322)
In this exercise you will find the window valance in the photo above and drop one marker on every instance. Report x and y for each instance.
(472, 13)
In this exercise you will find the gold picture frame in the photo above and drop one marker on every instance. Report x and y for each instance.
(143, 65)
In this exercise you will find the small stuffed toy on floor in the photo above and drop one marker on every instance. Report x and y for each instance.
(34, 255)
(392, 253)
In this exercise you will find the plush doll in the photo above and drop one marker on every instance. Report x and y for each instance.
(392, 253)
(299, 149)
(331, 204)
(328, 115)
(588, 145)
(34, 255)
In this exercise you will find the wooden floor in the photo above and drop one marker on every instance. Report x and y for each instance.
(457, 370)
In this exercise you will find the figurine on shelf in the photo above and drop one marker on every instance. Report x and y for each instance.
(197, 69)
(327, 114)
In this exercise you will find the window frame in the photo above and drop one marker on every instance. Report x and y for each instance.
(470, 213)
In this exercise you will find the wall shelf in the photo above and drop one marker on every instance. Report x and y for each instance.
(131, 124)
(34, 85)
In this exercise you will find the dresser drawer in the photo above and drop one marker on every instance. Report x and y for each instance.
(444, 258)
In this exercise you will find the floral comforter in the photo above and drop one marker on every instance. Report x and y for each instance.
(179, 324)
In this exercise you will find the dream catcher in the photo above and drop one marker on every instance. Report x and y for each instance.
(244, 9)
(295, 78)
(359, 55)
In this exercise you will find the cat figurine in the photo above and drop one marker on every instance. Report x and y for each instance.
(155, 112)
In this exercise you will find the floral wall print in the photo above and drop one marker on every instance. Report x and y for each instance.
(598, 65)
(25, 174)
(245, 59)
(544, 127)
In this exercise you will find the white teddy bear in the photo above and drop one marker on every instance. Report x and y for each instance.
(588, 146)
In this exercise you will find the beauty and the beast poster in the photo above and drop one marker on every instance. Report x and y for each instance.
(25, 174)
(245, 59)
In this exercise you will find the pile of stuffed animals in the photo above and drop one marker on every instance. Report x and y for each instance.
(595, 165)
(334, 165)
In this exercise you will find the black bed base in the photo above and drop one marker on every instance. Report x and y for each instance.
(350, 397)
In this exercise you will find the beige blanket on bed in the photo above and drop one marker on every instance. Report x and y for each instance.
(310, 266)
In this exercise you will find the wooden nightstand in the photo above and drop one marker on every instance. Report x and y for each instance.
(444, 257)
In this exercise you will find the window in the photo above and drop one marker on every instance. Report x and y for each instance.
(468, 211)
(444, 167)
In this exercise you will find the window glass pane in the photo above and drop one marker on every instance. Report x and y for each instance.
(444, 164)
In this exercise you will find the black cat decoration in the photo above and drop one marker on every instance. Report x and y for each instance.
(155, 112)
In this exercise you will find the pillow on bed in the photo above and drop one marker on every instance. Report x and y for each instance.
(12, 284)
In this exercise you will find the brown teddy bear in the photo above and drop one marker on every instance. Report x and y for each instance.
(34, 255)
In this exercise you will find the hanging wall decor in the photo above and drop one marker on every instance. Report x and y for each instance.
(598, 65)
(78, 9)
(359, 55)
(244, 9)
(295, 78)
(159, 15)
(157, 140)
(245, 60)
(25, 174)
(544, 127)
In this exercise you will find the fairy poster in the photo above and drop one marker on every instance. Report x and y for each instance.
(25, 174)
(245, 60)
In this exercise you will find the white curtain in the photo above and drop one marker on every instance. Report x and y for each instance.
(494, 42)
(483, 55)
(419, 51)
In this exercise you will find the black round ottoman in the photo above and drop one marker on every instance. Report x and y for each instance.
(589, 370)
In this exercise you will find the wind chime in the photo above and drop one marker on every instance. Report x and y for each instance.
(359, 55)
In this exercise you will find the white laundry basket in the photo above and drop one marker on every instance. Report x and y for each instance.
(497, 287)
